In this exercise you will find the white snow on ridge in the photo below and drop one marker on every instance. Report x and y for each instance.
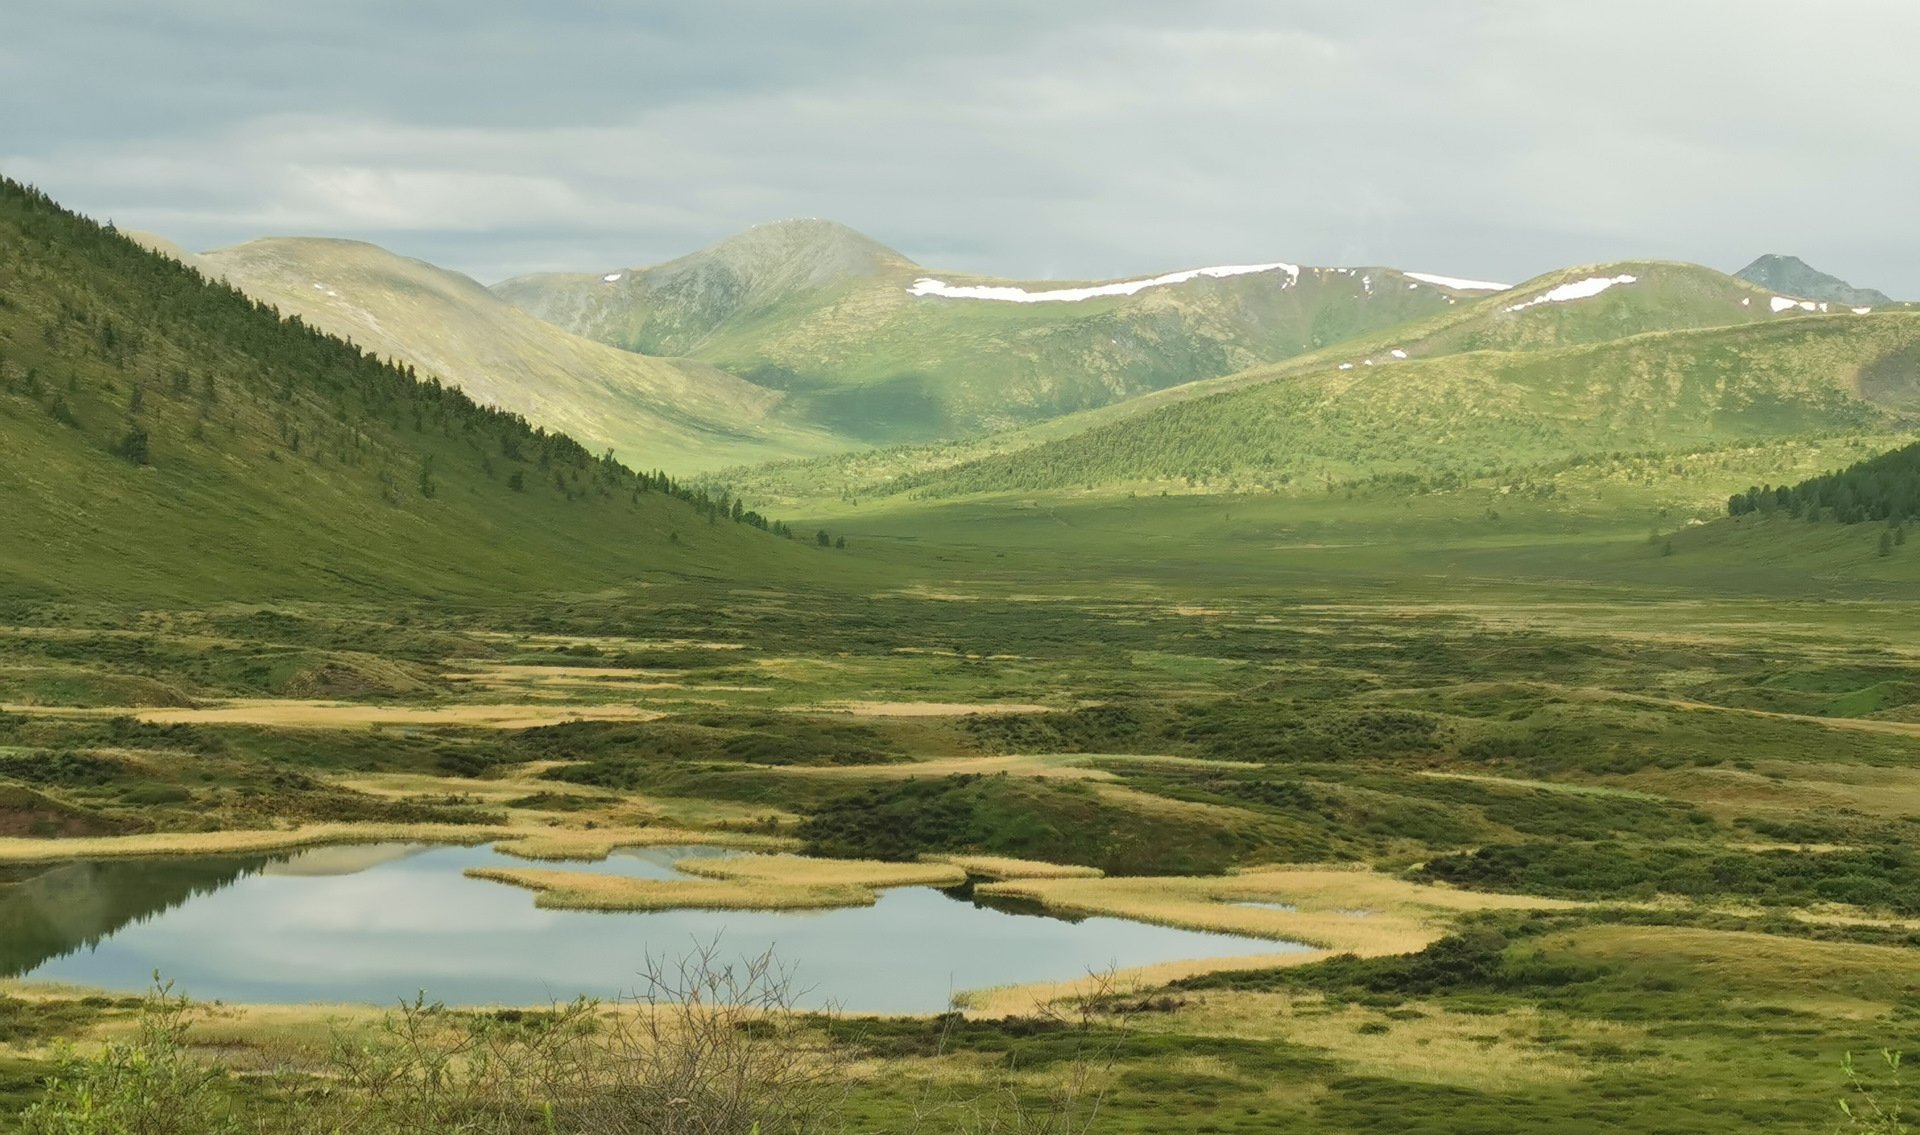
(1579, 290)
(611, 278)
(1863, 311)
(944, 290)
(1782, 303)
(1457, 284)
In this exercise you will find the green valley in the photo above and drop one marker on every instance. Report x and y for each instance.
(1518, 753)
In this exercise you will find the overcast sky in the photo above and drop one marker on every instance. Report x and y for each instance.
(1026, 138)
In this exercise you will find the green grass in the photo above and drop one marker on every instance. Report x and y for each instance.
(653, 412)
(276, 462)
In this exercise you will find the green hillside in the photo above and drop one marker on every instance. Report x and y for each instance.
(819, 311)
(671, 413)
(1884, 489)
(1525, 375)
(1442, 420)
(169, 439)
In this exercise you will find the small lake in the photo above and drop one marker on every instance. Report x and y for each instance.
(382, 922)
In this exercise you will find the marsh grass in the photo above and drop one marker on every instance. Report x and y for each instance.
(758, 882)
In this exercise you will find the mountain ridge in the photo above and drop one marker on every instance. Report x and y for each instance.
(1792, 276)
(171, 438)
(667, 413)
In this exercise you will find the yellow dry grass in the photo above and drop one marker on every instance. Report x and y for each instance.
(523, 840)
(758, 882)
(576, 890)
(24, 850)
(925, 708)
(805, 871)
(1026, 1000)
(597, 843)
(1040, 765)
(294, 713)
(1336, 910)
(1004, 867)
(400, 785)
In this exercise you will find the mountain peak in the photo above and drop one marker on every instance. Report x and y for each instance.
(1792, 276)
(799, 253)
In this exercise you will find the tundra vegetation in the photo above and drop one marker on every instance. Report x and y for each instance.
(1593, 814)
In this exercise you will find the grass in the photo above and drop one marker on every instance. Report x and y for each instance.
(18, 850)
(761, 882)
(1342, 911)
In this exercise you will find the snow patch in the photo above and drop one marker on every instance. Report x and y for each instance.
(611, 277)
(944, 290)
(1748, 302)
(1579, 290)
(1782, 303)
(1863, 311)
(1398, 353)
(1456, 283)
(1346, 366)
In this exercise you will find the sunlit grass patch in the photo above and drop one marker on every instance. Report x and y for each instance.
(22, 850)
(806, 871)
(1007, 867)
(591, 845)
(755, 882)
(1345, 910)
(575, 890)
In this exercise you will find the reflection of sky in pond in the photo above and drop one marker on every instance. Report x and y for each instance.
(394, 924)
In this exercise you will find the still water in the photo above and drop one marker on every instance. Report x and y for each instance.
(380, 922)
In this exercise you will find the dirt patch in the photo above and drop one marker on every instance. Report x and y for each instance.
(26, 813)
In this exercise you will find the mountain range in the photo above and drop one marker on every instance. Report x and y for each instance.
(841, 370)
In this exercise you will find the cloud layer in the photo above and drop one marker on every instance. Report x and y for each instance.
(1074, 139)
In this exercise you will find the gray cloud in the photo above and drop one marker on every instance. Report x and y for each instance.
(1073, 139)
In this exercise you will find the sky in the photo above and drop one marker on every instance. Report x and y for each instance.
(1064, 139)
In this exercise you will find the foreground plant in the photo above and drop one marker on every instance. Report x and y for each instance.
(148, 1085)
(1875, 1109)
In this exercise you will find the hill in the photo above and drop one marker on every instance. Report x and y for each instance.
(871, 345)
(1553, 316)
(1443, 420)
(1883, 489)
(1792, 276)
(168, 438)
(674, 308)
(670, 413)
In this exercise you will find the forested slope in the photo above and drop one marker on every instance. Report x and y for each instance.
(170, 438)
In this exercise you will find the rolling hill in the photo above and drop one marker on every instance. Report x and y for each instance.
(871, 345)
(170, 439)
(1545, 370)
(656, 412)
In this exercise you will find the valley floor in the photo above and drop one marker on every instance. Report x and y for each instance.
(1595, 833)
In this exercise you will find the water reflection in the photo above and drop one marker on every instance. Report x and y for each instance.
(381, 922)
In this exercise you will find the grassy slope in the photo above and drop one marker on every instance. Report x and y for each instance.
(1697, 368)
(282, 462)
(824, 313)
(665, 413)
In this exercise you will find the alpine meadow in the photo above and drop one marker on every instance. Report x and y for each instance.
(484, 650)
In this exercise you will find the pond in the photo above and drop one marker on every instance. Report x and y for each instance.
(382, 922)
